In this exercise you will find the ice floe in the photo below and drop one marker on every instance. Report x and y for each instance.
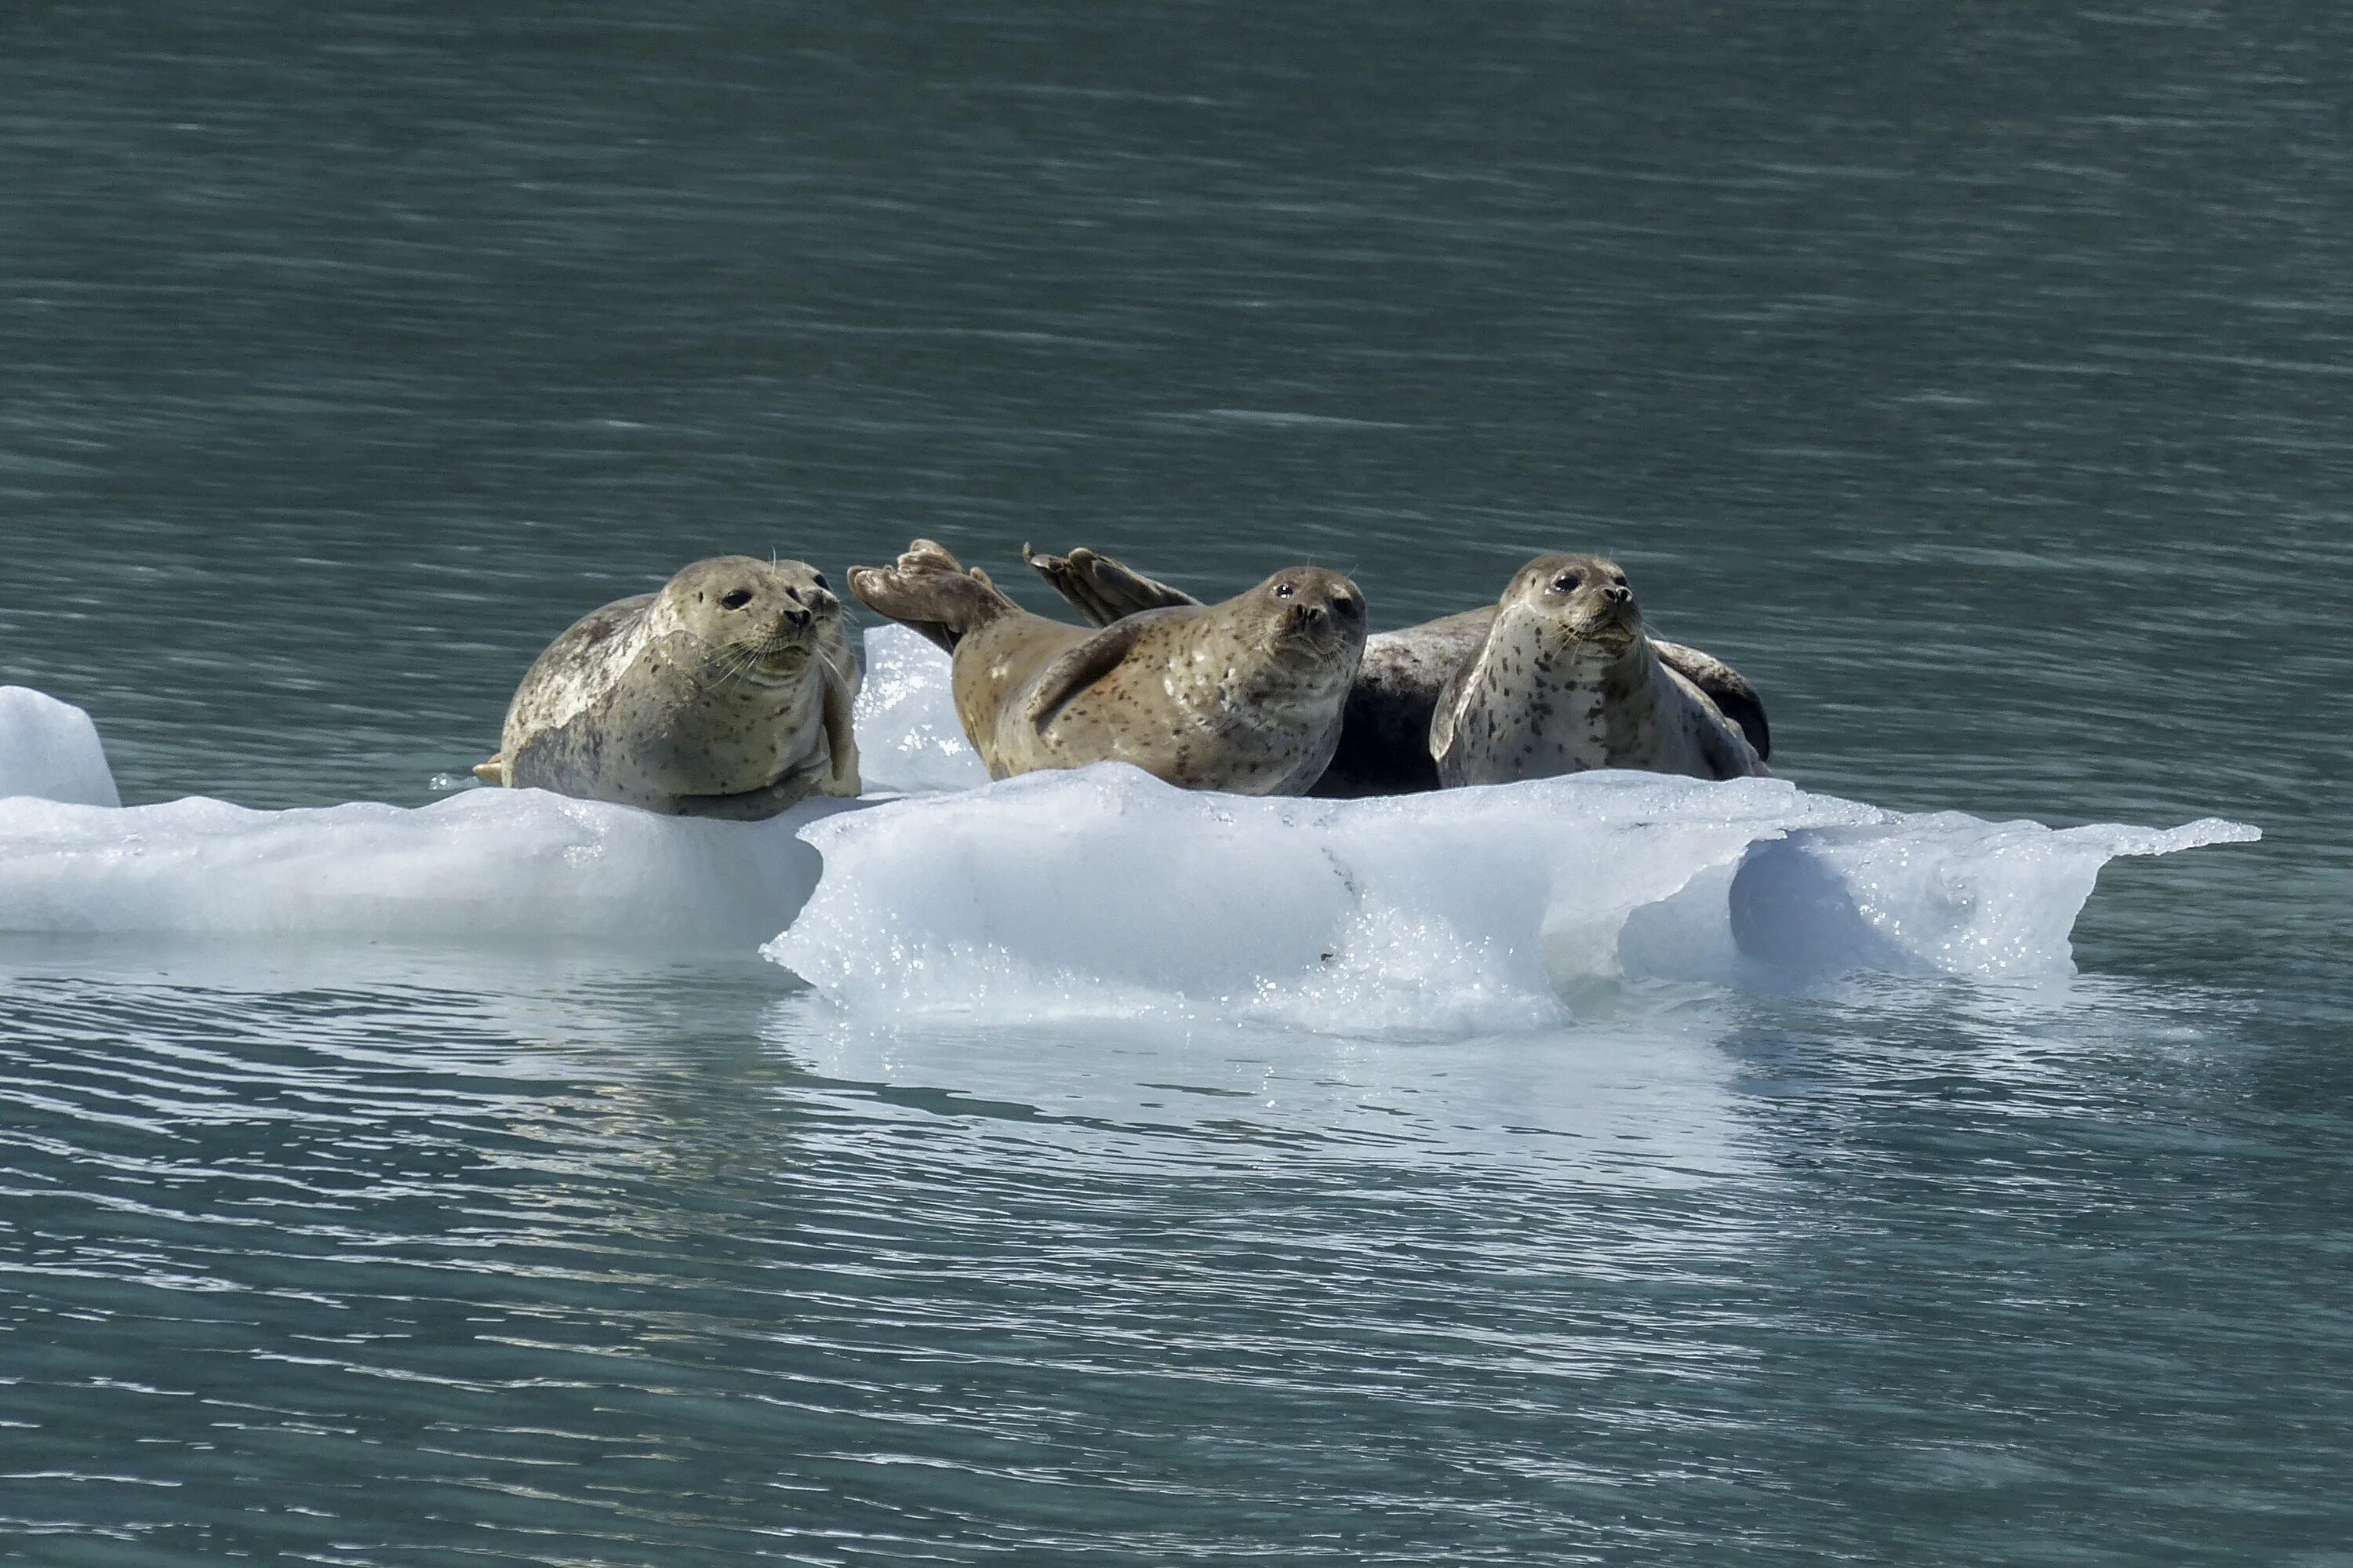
(509, 866)
(505, 864)
(1098, 893)
(50, 750)
(1104, 892)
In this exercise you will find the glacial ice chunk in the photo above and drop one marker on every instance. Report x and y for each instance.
(1104, 892)
(910, 741)
(50, 750)
(505, 864)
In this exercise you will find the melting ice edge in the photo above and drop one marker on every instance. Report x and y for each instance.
(1102, 892)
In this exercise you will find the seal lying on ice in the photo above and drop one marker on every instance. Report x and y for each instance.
(1385, 738)
(1243, 696)
(1565, 680)
(727, 693)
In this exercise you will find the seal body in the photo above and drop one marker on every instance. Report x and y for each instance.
(1565, 680)
(1244, 696)
(727, 693)
(1384, 745)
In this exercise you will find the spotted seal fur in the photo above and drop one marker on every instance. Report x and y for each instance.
(1243, 695)
(1565, 680)
(727, 693)
(1385, 736)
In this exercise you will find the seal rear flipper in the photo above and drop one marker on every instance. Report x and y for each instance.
(930, 591)
(494, 771)
(1073, 671)
(1100, 588)
(1724, 686)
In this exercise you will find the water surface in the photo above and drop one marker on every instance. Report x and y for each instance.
(1976, 383)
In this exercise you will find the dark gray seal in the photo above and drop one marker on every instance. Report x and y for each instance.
(1565, 680)
(1243, 696)
(727, 693)
(1385, 735)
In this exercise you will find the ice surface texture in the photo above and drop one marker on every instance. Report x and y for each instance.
(50, 749)
(1106, 892)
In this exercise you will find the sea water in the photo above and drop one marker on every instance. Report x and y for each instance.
(1864, 1164)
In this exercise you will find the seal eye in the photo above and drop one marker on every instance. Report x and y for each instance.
(735, 599)
(1565, 583)
(1282, 591)
(821, 582)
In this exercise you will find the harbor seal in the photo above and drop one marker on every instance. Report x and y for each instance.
(1243, 696)
(727, 693)
(1565, 680)
(1385, 734)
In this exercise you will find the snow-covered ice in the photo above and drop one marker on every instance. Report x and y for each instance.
(50, 749)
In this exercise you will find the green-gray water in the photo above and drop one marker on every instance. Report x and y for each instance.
(1976, 382)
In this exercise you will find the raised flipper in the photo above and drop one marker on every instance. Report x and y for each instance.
(1100, 588)
(1724, 686)
(1074, 672)
(930, 591)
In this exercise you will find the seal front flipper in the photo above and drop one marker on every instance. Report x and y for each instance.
(1073, 671)
(930, 591)
(1100, 588)
(1724, 751)
(1724, 686)
(841, 739)
(1444, 717)
(494, 771)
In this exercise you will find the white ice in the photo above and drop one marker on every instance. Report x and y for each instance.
(910, 741)
(49, 749)
(499, 864)
(1089, 893)
(1104, 892)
